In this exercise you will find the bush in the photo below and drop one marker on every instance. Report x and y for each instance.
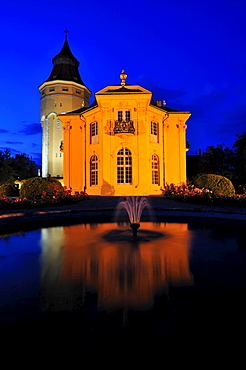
(41, 188)
(9, 190)
(219, 185)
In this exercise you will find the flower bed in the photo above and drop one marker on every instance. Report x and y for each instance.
(18, 203)
(192, 194)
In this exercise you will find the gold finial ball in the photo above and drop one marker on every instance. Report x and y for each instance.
(123, 77)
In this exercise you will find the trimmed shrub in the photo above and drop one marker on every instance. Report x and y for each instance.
(41, 188)
(219, 185)
(9, 190)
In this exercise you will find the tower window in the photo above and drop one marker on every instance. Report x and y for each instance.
(124, 166)
(94, 132)
(60, 104)
(52, 89)
(154, 134)
(78, 92)
(155, 169)
(64, 89)
(94, 170)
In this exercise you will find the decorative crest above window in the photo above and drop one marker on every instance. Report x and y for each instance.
(124, 127)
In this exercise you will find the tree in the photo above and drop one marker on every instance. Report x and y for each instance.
(7, 173)
(24, 168)
(219, 160)
(18, 167)
(240, 159)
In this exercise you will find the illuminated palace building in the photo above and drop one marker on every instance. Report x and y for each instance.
(122, 144)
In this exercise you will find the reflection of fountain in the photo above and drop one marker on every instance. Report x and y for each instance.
(94, 262)
(134, 207)
(134, 226)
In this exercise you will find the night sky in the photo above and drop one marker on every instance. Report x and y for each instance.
(189, 53)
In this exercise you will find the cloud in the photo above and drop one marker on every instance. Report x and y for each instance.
(161, 93)
(14, 142)
(31, 129)
(2, 131)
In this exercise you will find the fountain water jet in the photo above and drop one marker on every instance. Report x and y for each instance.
(134, 206)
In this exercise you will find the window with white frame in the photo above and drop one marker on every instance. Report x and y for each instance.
(94, 170)
(94, 132)
(124, 166)
(124, 115)
(154, 132)
(155, 170)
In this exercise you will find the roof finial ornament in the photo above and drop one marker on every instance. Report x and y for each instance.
(123, 77)
(66, 32)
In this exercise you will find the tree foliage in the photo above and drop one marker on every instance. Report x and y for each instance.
(240, 159)
(218, 160)
(12, 168)
(224, 161)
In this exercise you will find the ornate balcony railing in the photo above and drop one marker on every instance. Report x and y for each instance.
(124, 127)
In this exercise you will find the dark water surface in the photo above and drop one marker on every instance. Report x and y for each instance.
(95, 290)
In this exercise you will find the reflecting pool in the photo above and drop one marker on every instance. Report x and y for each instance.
(91, 288)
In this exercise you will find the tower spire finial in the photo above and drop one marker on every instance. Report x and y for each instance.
(123, 77)
(66, 33)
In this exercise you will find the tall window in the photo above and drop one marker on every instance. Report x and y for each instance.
(58, 123)
(124, 115)
(94, 132)
(124, 166)
(155, 169)
(94, 170)
(154, 132)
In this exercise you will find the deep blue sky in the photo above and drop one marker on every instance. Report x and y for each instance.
(190, 53)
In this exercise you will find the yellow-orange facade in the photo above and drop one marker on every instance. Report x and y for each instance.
(124, 144)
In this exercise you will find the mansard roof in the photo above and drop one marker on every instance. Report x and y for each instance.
(125, 89)
(81, 110)
(65, 66)
(165, 108)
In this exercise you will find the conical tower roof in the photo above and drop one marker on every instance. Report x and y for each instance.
(65, 66)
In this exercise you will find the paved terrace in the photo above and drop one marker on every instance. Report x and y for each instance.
(103, 208)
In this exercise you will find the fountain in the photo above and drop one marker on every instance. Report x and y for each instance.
(134, 207)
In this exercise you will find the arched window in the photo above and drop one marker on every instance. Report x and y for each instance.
(94, 170)
(155, 169)
(124, 166)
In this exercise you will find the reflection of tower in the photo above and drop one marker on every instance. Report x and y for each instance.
(63, 91)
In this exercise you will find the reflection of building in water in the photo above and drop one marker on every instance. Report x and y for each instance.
(51, 261)
(122, 274)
